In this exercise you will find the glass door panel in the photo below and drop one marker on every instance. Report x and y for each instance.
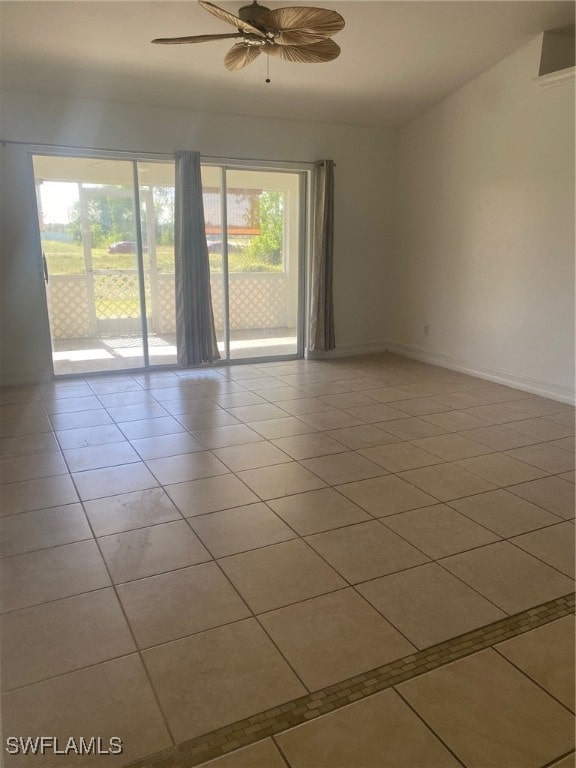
(263, 234)
(88, 232)
(156, 193)
(212, 181)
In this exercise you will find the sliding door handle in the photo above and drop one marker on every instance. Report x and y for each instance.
(45, 265)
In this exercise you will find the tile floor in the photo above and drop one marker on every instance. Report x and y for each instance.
(184, 549)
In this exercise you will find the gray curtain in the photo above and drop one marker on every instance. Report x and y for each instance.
(195, 332)
(321, 334)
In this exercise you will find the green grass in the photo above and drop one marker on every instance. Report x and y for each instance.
(68, 259)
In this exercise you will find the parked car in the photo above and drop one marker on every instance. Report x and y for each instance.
(125, 246)
(215, 246)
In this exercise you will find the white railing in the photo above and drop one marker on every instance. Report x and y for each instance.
(85, 306)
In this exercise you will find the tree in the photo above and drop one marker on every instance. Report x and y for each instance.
(268, 246)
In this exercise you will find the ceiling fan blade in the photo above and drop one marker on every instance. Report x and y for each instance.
(324, 50)
(236, 21)
(195, 38)
(299, 26)
(240, 55)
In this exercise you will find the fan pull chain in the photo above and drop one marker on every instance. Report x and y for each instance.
(267, 69)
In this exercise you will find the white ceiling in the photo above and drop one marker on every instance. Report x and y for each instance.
(398, 58)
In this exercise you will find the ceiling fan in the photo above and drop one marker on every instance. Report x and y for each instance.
(293, 34)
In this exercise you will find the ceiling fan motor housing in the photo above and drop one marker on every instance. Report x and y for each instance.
(251, 13)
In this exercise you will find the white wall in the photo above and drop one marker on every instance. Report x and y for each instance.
(365, 173)
(485, 237)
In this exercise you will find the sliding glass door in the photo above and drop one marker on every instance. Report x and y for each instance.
(254, 233)
(107, 234)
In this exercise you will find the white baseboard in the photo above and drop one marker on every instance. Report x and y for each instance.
(348, 350)
(534, 386)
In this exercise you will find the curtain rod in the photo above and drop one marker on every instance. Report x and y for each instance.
(132, 153)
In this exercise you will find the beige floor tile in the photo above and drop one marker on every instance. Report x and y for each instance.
(43, 528)
(347, 400)
(237, 399)
(275, 428)
(128, 511)
(364, 436)
(280, 480)
(459, 400)
(420, 406)
(98, 456)
(504, 513)
(85, 437)
(566, 443)
(542, 429)
(509, 577)
(28, 445)
(429, 605)
(251, 456)
(241, 529)
(497, 413)
(499, 393)
(455, 421)
(111, 699)
(218, 677)
(567, 419)
(148, 551)
(188, 466)
(16, 426)
(546, 655)
(452, 447)
(192, 404)
(334, 637)
(280, 574)
(411, 428)
(322, 388)
(439, 531)
(305, 405)
(343, 468)
(137, 430)
(210, 494)
(124, 413)
(114, 384)
(49, 574)
(365, 551)
(123, 478)
(167, 445)
(210, 420)
(383, 496)
(309, 446)
(182, 602)
(327, 420)
(260, 412)
(133, 397)
(379, 412)
(569, 476)
(541, 406)
(22, 468)
(547, 457)
(527, 728)
(447, 481)
(399, 456)
(37, 494)
(498, 437)
(554, 545)
(387, 394)
(72, 404)
(317, 511)
(61, 636)
(263, 754)
(222, 437)
(551, 493)
(377, 732)
(566, 762)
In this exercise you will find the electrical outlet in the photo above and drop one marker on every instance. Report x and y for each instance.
(426, 330)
